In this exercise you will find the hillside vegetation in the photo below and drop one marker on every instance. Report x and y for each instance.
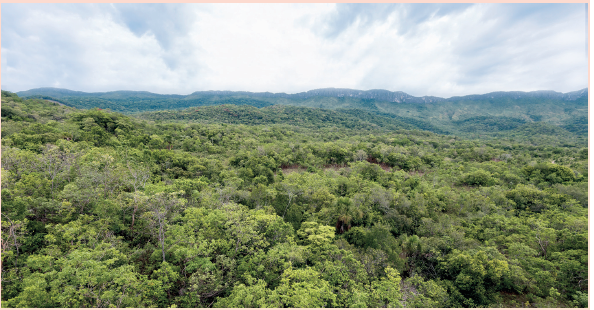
(493, 115)
(280, 206)
(349, 119)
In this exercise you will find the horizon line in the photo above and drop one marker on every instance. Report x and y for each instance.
(285, 93)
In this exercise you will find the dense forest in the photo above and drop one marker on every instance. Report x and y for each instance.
(282, 206)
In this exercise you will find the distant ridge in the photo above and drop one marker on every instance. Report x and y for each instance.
(62, 92)
(471, 115)
(374, 94)
(519, 94)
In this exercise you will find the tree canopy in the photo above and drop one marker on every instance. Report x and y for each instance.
(237, 206)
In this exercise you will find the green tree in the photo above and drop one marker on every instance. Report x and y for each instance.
(303, 288)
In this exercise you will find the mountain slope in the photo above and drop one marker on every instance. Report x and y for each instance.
(472, 116)
(375, 94)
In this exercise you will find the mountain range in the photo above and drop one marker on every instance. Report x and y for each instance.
(375, 94)
(472, 116)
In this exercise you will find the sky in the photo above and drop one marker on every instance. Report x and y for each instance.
(422, 49)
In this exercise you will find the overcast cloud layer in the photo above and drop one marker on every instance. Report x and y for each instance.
(421, 49)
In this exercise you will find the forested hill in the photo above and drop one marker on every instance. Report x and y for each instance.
(475, 116)
(348, 119)
(285, 207)
(352, 120)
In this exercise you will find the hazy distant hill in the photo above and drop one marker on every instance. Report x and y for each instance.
(472, 115)
(375, 94)
(59, 93)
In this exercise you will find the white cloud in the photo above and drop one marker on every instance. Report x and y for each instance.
(441, 50)
(259, 48)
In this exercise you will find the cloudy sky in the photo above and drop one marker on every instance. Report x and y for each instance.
(421, 49)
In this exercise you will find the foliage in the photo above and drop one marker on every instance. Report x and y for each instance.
(281, 206)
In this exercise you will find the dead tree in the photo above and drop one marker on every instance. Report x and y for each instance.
(137, 178)
(162, 207)
(53, 162)
(15, 229)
